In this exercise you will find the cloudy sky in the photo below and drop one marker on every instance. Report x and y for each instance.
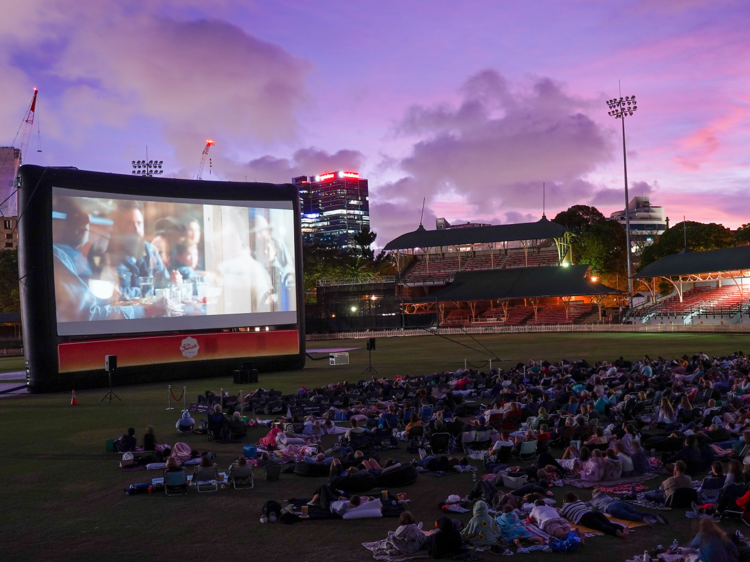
(471, 105)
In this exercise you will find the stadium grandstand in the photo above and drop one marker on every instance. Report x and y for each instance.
(484, 275)
(433, 257)
(711, 287)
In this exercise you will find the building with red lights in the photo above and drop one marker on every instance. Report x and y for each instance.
(335, 206)
(10, 160)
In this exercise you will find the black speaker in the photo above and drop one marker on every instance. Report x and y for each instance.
(371, 344)
(245, 376)
(110, 362)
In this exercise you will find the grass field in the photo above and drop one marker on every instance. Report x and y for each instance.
(63, 494)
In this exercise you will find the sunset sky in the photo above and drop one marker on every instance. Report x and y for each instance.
(471, 105)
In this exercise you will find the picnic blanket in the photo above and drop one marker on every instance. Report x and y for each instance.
(588, 532)
(378, 554)
(719, 452)
(622, 488)
(578, 483)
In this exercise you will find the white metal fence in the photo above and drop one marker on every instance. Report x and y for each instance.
(543, 329)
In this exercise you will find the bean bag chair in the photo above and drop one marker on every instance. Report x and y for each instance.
(356, 483)
(397, 475)
(307, 469)
(181, 452)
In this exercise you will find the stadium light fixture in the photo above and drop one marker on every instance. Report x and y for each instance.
(565, 264)
(620, 109)
(354, 309)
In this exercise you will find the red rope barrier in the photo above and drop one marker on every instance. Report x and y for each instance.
(479, 367)
(173, 396)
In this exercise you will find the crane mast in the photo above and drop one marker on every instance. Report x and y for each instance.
(199, 175)
(28, 126)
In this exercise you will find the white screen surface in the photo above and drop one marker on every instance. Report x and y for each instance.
(135, 265)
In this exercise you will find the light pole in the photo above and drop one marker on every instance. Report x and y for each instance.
(619, 109)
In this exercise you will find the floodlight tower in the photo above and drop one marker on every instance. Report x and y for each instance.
(209, 144)
(148, 168)
(619, 109)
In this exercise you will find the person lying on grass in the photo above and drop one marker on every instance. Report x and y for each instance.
(578, 513)
(326, 498)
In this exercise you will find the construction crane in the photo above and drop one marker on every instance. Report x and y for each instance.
(28, 128)
(199, 175)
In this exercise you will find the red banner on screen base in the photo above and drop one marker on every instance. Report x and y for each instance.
(152, 350)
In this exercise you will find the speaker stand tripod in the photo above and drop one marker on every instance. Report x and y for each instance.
(369, 368)
(110, 395)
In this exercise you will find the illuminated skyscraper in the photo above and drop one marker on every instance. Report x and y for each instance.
(335, 206)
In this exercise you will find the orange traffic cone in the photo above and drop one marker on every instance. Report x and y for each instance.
(73, 399)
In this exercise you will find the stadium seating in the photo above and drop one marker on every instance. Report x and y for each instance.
(697, 301)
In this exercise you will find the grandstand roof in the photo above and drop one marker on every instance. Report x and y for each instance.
(521, 283)
(422, 238)
(710, 261)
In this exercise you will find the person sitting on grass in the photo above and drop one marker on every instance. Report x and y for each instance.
(612, 466)
(639, 459)
(482, 530)
(127, 442)
(575, 511)
(185, 423)
(512, 528)
(711, 544)
(445, 540)
(149, 439)
(625, 461)
(677, 481)
(592, 470)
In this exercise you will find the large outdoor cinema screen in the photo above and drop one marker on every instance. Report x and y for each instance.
(179, 279)
(132, 264)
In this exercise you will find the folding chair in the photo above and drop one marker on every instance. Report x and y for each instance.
(205, 479)
(482, 439)
(440, 443)
(467, 438)
(242, 478)
(176, 482)
(527, 451)
(496, 421)
(426, 413)
(512, 420)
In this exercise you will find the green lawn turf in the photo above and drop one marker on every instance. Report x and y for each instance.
(13, 364)
(62, 495)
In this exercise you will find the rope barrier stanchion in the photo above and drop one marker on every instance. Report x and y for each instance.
(184, 399)
(239, 397)
(464, 364)
(490, 364)
(221, 397)
(169, 397)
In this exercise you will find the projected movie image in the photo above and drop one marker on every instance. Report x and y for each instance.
(123, 265)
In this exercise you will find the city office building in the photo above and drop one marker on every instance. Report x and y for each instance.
(10, 233)
(10, 160)
(334, 206)
(647, 222)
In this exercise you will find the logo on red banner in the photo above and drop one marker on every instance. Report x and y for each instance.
(189, 347)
